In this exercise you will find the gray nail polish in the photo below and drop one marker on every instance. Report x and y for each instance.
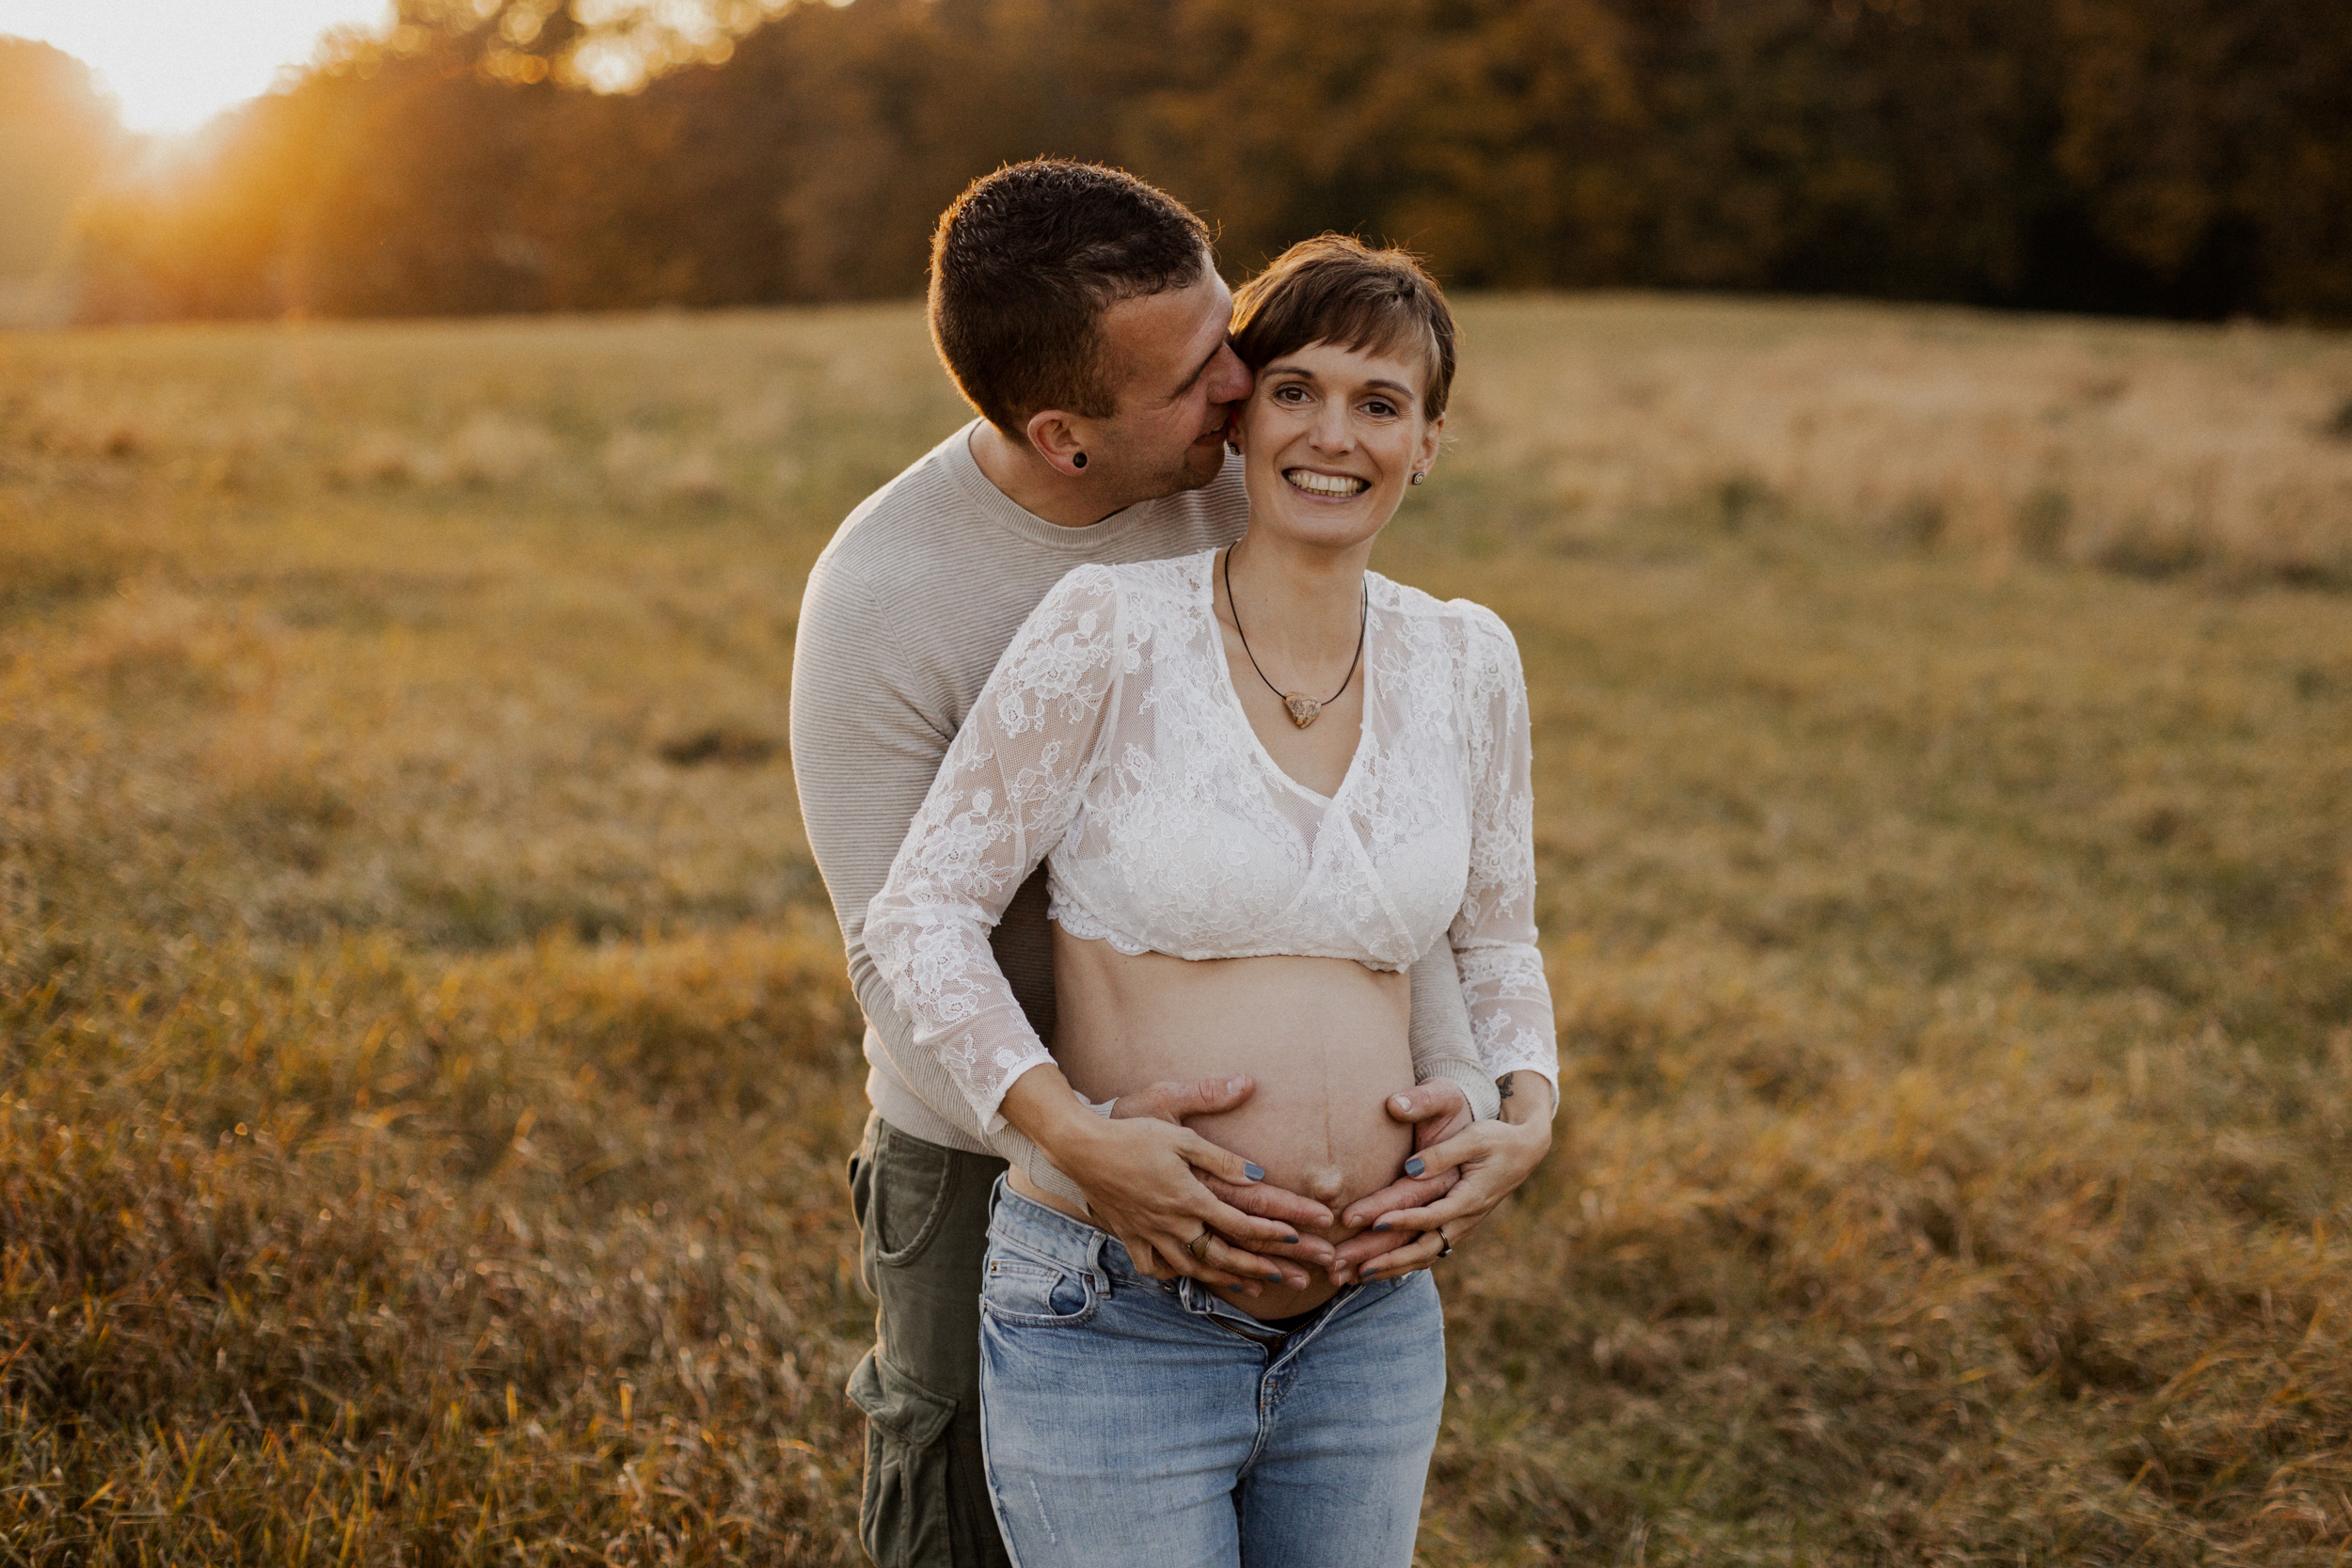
(1257, 1172)
(1382, 1226)
(1290, 1241)
(1413, 1166)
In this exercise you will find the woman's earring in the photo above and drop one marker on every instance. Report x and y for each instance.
(1079, 460)
(1233, 448)
(1420, 474)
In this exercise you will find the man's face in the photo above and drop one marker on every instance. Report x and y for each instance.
(1177, 381)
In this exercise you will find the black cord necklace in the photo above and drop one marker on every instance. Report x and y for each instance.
(1304, 710)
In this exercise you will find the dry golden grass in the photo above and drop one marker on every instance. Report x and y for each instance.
(425, 1065)
(2148, 450)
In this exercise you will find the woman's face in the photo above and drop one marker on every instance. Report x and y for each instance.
(1329, 438)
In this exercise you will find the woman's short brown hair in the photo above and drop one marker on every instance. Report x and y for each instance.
(1337, 289)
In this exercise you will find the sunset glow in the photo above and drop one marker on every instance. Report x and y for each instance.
(173, 65)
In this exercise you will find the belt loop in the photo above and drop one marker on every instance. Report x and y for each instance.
(1095, 1271)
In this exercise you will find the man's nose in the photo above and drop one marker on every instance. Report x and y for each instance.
(1230, 380)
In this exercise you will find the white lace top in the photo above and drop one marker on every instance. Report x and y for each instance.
(1110, 743)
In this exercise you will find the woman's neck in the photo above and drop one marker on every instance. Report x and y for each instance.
(1298, 606)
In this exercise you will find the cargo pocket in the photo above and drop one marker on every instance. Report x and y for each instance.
(905, 1519)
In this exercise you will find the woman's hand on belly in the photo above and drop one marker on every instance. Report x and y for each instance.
(1329, 1139)
(1435, 1111)
(1477, 1167)
(1143, 1185)
(1178, 1103)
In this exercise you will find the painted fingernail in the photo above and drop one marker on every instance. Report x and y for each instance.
(1382, 1226)
(1273, 1279)
(1290, 1241)
(1414, 1166)
(1257, 1172)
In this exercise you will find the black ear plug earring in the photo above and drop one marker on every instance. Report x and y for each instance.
(1079, 460)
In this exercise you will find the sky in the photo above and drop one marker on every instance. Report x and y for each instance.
(173, 64)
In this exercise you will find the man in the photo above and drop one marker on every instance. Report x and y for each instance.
(1079, 311)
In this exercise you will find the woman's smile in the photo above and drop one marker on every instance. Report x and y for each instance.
(1315, 483)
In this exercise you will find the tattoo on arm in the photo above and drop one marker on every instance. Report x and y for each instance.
(1503, 1085)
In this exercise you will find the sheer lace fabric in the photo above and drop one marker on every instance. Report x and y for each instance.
(1109, 743)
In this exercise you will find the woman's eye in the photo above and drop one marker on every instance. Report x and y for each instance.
(1292, 393)
(1380, 407)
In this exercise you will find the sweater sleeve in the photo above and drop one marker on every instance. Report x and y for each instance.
(863, 753)
(1005, 796)
(1493, 935)
(1442, 1045)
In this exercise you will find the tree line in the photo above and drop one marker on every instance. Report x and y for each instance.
(2177, 157)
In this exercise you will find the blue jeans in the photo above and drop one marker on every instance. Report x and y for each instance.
(1124, 1421)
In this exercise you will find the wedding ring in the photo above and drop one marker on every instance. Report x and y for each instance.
(1196, 1243)
(1445, 1247)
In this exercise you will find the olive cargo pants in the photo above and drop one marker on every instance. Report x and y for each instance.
(922, 1213)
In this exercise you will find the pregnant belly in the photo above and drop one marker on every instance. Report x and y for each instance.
(1324, 1039)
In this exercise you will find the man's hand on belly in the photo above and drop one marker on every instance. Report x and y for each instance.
(1143, 1182)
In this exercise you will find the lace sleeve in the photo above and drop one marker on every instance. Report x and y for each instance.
(1494, 933)
(1006, 794)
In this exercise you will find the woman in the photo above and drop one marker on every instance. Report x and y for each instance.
(1265, 782)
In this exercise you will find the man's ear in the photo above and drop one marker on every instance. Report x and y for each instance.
(1056, 437)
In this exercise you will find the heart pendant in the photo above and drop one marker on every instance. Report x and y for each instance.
(1304, 710)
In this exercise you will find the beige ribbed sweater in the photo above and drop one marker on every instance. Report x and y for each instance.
(905, 614)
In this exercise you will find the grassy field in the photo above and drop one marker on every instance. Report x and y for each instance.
(425, 1064)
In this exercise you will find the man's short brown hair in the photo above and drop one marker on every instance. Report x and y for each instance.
(1337, 289)
(1025, 262)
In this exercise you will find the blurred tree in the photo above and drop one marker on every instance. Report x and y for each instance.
(1882, 148)
(2188, 156)
(1483, 132)
(2212, 141)
(59, 134)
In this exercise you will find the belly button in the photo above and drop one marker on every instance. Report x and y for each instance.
(1322, 1183)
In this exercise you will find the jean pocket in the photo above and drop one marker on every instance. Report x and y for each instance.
(1015, 1287)
(906, 1518)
